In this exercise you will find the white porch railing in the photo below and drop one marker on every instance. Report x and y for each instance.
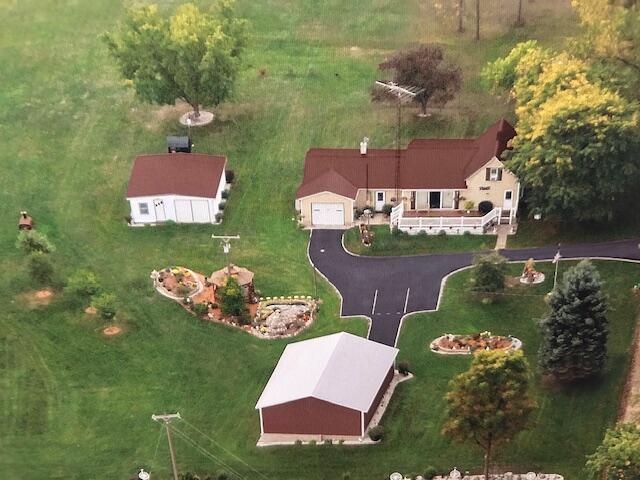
(434, 225)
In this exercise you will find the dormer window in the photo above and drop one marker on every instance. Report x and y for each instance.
(493, 174)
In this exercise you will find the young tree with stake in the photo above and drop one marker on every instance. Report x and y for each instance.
(489, 404)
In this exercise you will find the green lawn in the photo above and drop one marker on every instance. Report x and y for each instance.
(78, 405)
(386, 243)
(534, 233)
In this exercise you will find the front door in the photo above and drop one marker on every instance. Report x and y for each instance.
(380, 201)
(508, 200)
(159, 208)
(434, 199)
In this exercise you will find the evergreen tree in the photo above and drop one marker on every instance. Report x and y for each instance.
(488, 273)
(574, 344)
(232, 300)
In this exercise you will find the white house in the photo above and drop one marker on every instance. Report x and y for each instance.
(182, 187)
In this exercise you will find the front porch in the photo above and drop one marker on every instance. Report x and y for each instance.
(451, 222)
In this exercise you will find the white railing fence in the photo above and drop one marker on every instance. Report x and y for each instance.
(434, 225)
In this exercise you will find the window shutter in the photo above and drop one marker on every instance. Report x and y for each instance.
(499, 174)
(487, 174)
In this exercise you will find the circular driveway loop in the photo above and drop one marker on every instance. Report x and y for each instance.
(385, 289)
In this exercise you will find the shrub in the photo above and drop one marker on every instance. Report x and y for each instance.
(619, 455)
(430, 472)
(312, 442)
(225, 194)
(232, 301)
(359, 212)
(403, 368)
(488, 273)
(30, 241)
(222, 476)
(485, 207)
(328, 441)
(40, 267)
(105, 304)
(222, 204)
(200, 309)
(231, 175)
(442, 233)
(376, 433)
(219, 217)
(386, 209)
(396, 232)
(346, 476)
(182, 290)
(469, 205)
(298, 442)
(83, 283)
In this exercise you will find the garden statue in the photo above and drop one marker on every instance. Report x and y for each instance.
(25, 222)
(529, 274)
(455, 474)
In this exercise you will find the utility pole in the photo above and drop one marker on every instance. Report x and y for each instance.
(226, 246)
(166, 419)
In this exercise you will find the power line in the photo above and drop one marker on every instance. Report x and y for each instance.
(225, 450)
(205, 452)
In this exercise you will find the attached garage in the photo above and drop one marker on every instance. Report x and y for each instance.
(327, 214)
(327, 386)
(182, 187)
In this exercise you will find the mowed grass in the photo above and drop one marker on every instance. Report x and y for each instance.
(386, 243)
(77, 405)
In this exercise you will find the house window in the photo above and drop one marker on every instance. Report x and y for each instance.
(493, 174)
(447, 198)
(144, 208)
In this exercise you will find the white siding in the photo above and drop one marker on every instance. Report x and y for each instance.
(206, 209)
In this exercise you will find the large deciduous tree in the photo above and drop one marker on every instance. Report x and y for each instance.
(424, 66)
(490, 403)
(574, 332)
(619, 455)
(192, 56)
(611, 30)
(577, 138)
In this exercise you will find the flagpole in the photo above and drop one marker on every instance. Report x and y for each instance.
(556, 260)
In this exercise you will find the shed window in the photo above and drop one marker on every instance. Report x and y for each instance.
(144, 208)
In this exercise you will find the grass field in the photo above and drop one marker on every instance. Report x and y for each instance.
(77, 405)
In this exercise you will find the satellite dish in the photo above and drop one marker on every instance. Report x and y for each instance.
(396, 476)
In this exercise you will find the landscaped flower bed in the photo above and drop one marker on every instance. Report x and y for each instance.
(467, 344)
(280, 317)
(177, 282)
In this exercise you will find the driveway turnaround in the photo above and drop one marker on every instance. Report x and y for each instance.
(385, 289)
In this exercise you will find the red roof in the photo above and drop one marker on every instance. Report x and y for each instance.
(190, 174)
(425, 163)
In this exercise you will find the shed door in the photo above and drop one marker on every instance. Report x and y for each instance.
(327, 214)
(200, 210)
(158, 204)
(183, 211)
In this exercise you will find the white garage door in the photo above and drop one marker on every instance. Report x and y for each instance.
(200, 210)
(183, 211)
(327, 214)
(192, 211)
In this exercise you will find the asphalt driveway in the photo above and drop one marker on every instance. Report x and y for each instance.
(385, 289)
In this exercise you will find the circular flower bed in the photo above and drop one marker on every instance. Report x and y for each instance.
(533, 279)
(177, 282)
(450, 344)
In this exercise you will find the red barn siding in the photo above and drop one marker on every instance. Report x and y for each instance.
(311, 416)
(376, 401)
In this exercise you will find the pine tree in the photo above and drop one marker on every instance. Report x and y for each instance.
(574, 344)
